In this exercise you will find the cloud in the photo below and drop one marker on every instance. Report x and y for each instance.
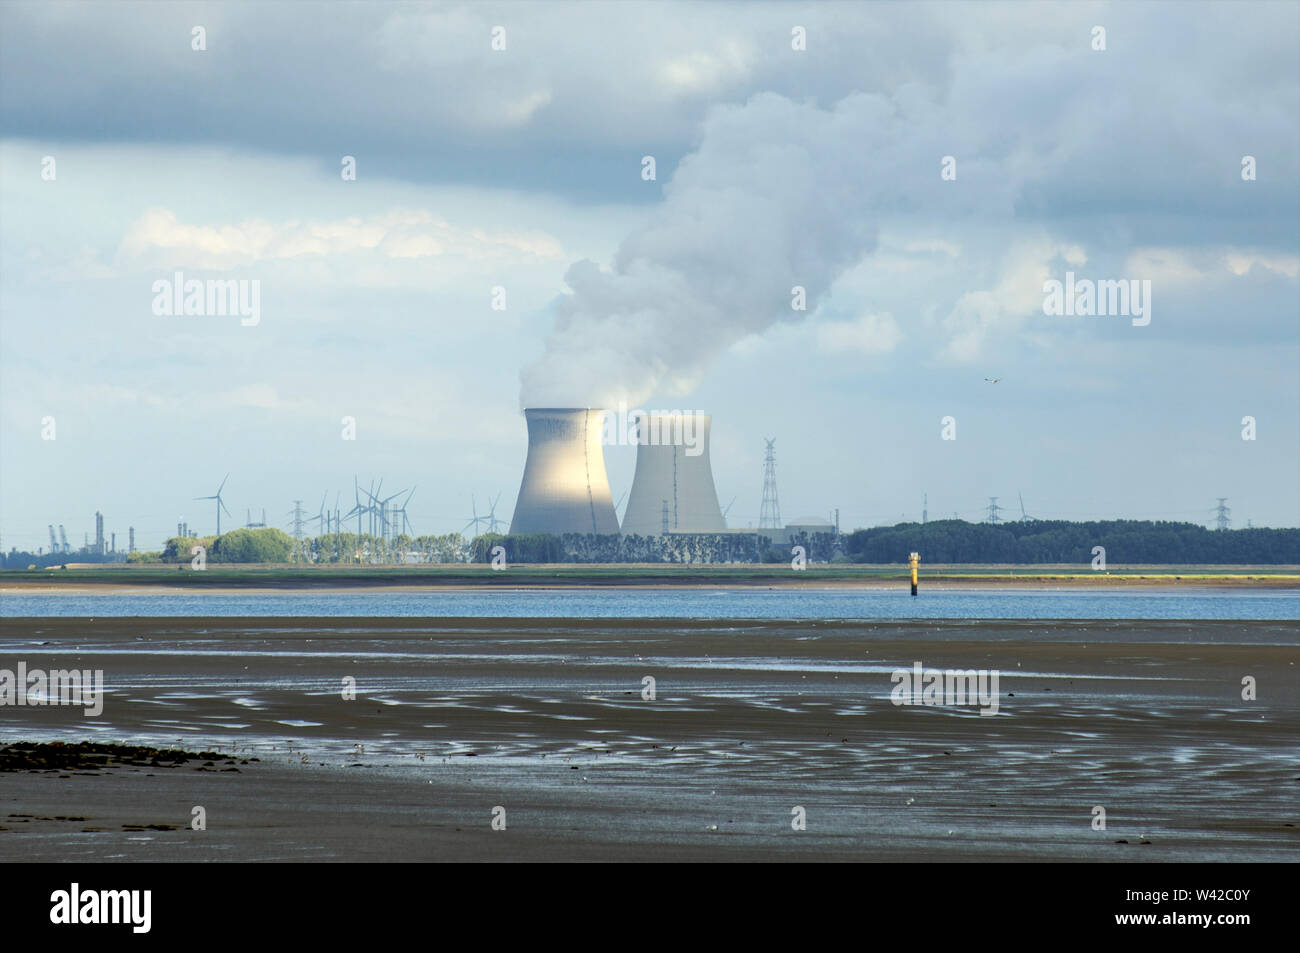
(1240, 263)
(523, 108)
(707, 72)
(1163, 266)
(420, 90)
(932, 246)
(1181, 266)
(868, 334)
(159, 239)
(1004, 307)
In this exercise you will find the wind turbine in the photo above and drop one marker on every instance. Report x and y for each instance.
(492, 520)
(406, 523)
(320, 519)
(380, 506)
(727, 509)
(220, 505)
(370, 507)
(358, 509)
(475, 519)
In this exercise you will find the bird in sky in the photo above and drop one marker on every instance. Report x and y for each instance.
(993, 380)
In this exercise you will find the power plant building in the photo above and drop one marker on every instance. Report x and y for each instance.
(565, 488)
(672, 489)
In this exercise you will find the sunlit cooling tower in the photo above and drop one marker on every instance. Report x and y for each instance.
(565, 489)
(673, 485)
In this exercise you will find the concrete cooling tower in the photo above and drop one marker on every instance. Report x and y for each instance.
(565, 489)
(670, 470)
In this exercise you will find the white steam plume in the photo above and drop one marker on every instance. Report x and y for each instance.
(778, 194)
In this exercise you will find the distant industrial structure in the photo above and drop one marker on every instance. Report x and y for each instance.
(672, 488)
(993, 515)
(564, 488)
(102, 549)
(299, 520)
(672, 505)
(1221, 520)
(769, 514)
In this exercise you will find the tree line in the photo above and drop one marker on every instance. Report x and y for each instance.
(1059, 541)
(1028, 542)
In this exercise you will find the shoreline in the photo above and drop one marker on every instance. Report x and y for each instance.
(289, 591)
(1041, 582)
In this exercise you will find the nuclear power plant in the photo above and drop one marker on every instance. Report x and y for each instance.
(564, 489)
(672, 490)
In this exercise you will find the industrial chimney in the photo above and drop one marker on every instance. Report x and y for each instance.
(673, 486)
(565, 489)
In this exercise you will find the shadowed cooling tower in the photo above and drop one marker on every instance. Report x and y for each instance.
(565, 489)
(670, 471)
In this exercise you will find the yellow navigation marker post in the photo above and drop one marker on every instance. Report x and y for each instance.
(915, 560)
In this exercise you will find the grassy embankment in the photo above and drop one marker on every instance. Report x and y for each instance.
(289, 576)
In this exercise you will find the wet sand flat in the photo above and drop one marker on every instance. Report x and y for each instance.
(750, 719)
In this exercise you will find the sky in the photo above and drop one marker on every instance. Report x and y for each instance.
(920, 171)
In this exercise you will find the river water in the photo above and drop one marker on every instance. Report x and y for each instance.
(675, 602)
